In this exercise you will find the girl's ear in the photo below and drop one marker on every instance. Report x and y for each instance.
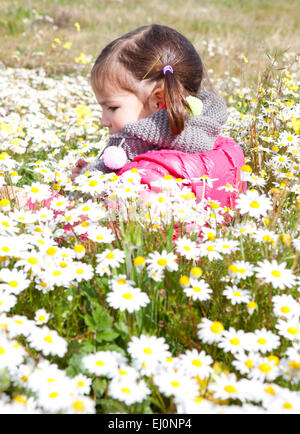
(156, 99)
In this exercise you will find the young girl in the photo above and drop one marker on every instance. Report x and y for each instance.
(144, 82)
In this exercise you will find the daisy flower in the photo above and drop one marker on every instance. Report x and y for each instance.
(13, 281)
(81, 405)
(236, 295)
(128, 390)
(82, 271)
(264, 341)
(160, 261)
(55, 399)
(285, 306)
(210, 249)
(31, 261)
(264, 370)
(110, 258)
(101, 235)
(157, 275)
(7, 225)
(9, 357)
(276, 274)
(244, 363)
(264, 235)
(120, 282)
(198, 290)
(289, 329)
(195, 363)
(287, 402)
(148, 349)
(227, 387)
(187, 248)
(82, 384)
(126, 371)
(234, 341)
(128, 298)
(102, 363)
(227, 246)
(176, 383)
(210, 331)
(41, 317)
(38, 192)
(241, 270)
(139, 263)
(7, 301)
(48, 341)
(255, 204)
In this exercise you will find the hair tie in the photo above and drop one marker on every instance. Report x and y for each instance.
(168, 68)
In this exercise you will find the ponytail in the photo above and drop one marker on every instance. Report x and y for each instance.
(175, 101)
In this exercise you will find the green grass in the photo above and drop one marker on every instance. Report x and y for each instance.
(248, 27)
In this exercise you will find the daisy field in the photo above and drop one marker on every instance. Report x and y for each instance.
(109, 304)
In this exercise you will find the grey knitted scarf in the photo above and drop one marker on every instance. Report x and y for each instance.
(154, 132)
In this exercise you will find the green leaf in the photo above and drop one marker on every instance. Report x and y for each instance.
(108, 336)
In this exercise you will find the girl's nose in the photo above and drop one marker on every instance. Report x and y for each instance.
(105, 121)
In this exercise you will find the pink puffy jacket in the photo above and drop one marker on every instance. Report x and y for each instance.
(222, 164)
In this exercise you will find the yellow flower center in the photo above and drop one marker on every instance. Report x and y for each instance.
(217, 327)
(265, 367)
(21, 399)
(175, 384)
(270, 390)
(147, 350)
(48, 339)
(51, 251)
(210, 248)
(162, 262)
(287, 406)
(276, 273)
(233, 268)
(110, 255)
(99, 363)
(254, 204)
(230, 389)
(196, 272)
(197, 363)
(196, 289)
(262, 341)
(235, 341)
(126, 390)
(249, 364)
(79, 248)
(121, 281)
(139, 260)
(13, 283)
(32, 261)
(184, 280)
(53, 395)
(295, 365)
(78, 406)
(128, 296)
(293, 330)
(2, 351)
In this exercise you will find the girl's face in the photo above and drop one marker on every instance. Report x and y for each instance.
(119, 107)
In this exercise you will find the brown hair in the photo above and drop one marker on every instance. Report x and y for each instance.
(144, 52)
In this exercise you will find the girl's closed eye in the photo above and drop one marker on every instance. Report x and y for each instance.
(113, 108)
